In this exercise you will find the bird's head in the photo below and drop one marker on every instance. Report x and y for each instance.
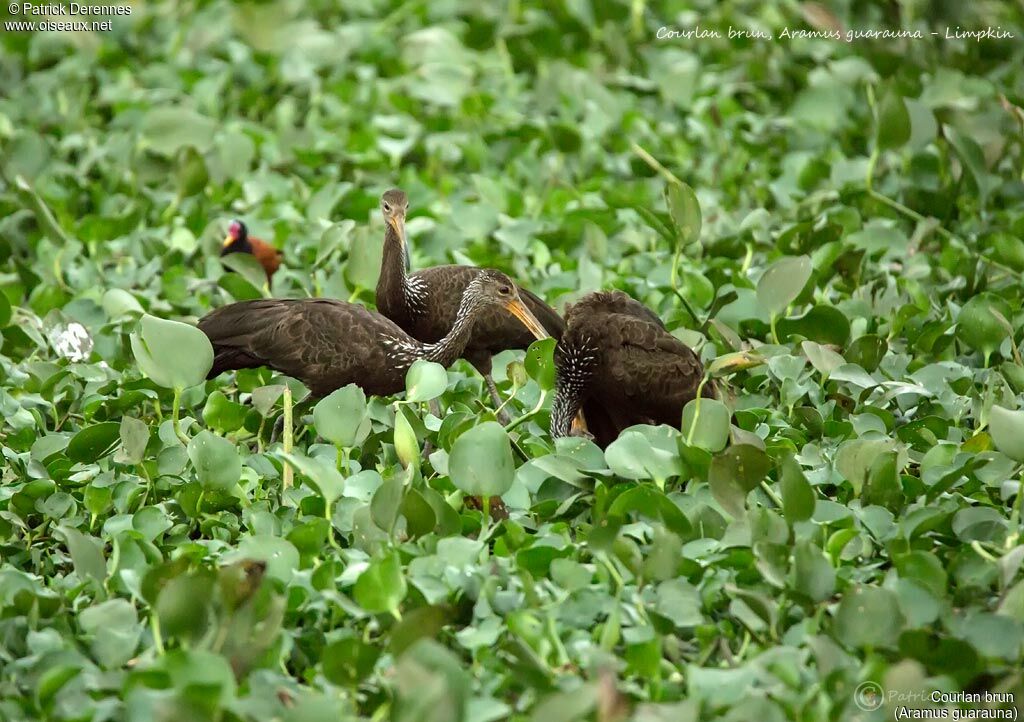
(237, 238)
(494, 288)
(393, 204)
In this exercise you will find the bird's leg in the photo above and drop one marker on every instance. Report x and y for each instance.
(492, 388)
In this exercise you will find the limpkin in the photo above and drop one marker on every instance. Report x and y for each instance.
(238, 240)
(328, 344)
(425, 303)
(618, 363)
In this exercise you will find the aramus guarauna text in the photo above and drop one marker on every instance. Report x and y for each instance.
(425, 303)
(238, 240)
(328, 344)
(618, 363)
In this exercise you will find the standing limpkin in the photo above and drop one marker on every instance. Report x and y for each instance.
(238, 240)
(328, 344)
(425, 303)
(618, 363)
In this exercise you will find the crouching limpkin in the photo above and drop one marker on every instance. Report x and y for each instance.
(425, 303)
(328, 344)
(618, 363)
(238, 240)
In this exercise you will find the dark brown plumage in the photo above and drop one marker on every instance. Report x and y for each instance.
(619, 364)
(328, 344)
(238, 240)
(425, 303)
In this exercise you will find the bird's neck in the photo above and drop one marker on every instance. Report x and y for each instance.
(393, 282)
(574, 368)
(451, 347)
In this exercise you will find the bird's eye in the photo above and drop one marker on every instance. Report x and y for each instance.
(504, 290)
(387, 208)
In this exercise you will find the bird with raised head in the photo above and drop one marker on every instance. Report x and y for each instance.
(425, 303)
(618, 364)
(328, 344)
(238, 240)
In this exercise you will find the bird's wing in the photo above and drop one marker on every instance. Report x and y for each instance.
(647, 361)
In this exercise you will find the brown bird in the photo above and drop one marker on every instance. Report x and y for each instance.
(618, 363)
(328, 344)
(426, 303)
(238, 240)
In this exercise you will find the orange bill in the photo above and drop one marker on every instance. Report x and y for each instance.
(520, 311)
(579, 424)
(228, 241)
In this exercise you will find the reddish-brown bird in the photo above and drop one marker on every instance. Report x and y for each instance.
(618, 363)
(426, 302)
(238, 240)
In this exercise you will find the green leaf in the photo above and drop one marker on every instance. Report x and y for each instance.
(347, 662)
(798, 497)
(86, 554)
(734, 473)
(216, 461)
(169, 129)
(223, 414)
(134, 435)
(481, 462)
(381, 587)
(406, 445)
(325, 478)
(705, 424)
(342, 418)
(113, 627)
(540, 363)
(892, 121)
(813, 576)
(1007, 430)
(634, 455)
(387, 501)
(868, 617)
(425, 380)
(174, 355)
(782, 282)
(684, 210)
(979, 327)
(94, 442)
(680, 601)
(248, 267)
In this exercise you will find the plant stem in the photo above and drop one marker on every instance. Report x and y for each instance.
(286, 478)
(653, 163)
(696, 410)
(175, 421)
(158, 640)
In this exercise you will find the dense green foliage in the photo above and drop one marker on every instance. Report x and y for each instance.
(848, 262)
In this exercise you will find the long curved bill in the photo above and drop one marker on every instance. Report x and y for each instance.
(398, 224)
(526, 317)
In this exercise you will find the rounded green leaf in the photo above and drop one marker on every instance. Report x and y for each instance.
(733, 474)
(1007, 430)
(481, 462)
(425, 380)
(174, 355)
(782, 282)
(381, 587)
(979, 326)
(706, 424)
(868, 617)
(540, 364)
(216, 461)
(341, 417)
(94, 442)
